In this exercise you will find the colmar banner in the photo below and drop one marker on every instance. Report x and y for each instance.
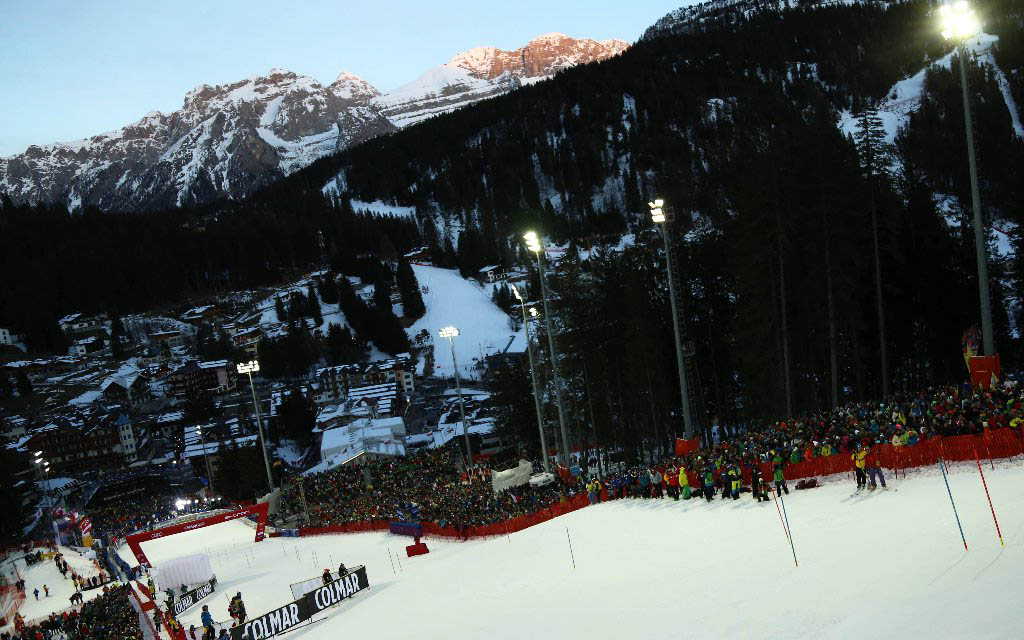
(287, 617)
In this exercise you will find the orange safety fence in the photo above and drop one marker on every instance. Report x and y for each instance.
(992, 444)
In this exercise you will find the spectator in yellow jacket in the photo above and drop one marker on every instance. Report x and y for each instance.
(858, 464)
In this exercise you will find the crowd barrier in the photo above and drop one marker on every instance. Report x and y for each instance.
(992, 444)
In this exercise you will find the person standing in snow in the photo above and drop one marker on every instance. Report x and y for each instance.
(684, 482)
(736, 479)
(757, 484)
(671, 480)
(207, 618)
(655, 483)
(709, 484)
(859, 462)
(875, 470)
(780, 482)
(644, 481)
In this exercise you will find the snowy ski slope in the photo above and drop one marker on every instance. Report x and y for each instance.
(452, 300)
(884, 564)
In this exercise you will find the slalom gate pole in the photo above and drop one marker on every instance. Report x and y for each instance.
(570, 548)
(790, 530)
(942, 468)
(392, 563)
(985, 484)
(781, 521)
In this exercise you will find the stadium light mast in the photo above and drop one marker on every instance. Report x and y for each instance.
(202, 441)
(451, 333)
(533, 244)
(960, 24)
(43, 467)
(249, 368)
(658, 217)
(533, 378)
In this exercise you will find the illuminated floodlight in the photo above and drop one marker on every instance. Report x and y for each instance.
(249, 367)
(959, 21)
(449, 332)
(657, 210)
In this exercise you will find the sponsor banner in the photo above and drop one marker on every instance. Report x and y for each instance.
(290, 615)
(300, 589)
(189, 598)
(331, 594)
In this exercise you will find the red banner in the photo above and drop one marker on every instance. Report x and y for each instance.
(684, 447)
(984, 370)
(136, 539)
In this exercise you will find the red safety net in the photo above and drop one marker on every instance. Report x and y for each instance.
(994, 443)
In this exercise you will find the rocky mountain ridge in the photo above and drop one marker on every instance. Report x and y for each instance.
(227, 141)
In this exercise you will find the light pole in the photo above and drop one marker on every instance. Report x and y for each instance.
(658, 216)
(43, 467)
(451, 333)
(960, 24)
(533, 244)
(202, 441)
(533, 378)
(250, 367)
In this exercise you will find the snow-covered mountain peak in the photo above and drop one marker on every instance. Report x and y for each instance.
(484, 72)
(229, 139)
(349, 86)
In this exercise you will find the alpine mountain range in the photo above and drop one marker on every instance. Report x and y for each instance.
(229, 140)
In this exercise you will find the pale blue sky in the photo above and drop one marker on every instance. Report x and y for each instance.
(70, 69)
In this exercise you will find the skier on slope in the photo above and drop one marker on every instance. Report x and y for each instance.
(780, 481)
(859, 462)
(874, 469)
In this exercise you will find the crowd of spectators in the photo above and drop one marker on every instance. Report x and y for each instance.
(109, 616)
(126, 516)
(428, 486)
(902, 420)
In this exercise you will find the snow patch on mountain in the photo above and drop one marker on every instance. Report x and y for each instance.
(379, 207)
(905, 96)
(484, 328)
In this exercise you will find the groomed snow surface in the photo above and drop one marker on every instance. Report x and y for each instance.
(484, 329)
(876, 565)
(61, 589)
